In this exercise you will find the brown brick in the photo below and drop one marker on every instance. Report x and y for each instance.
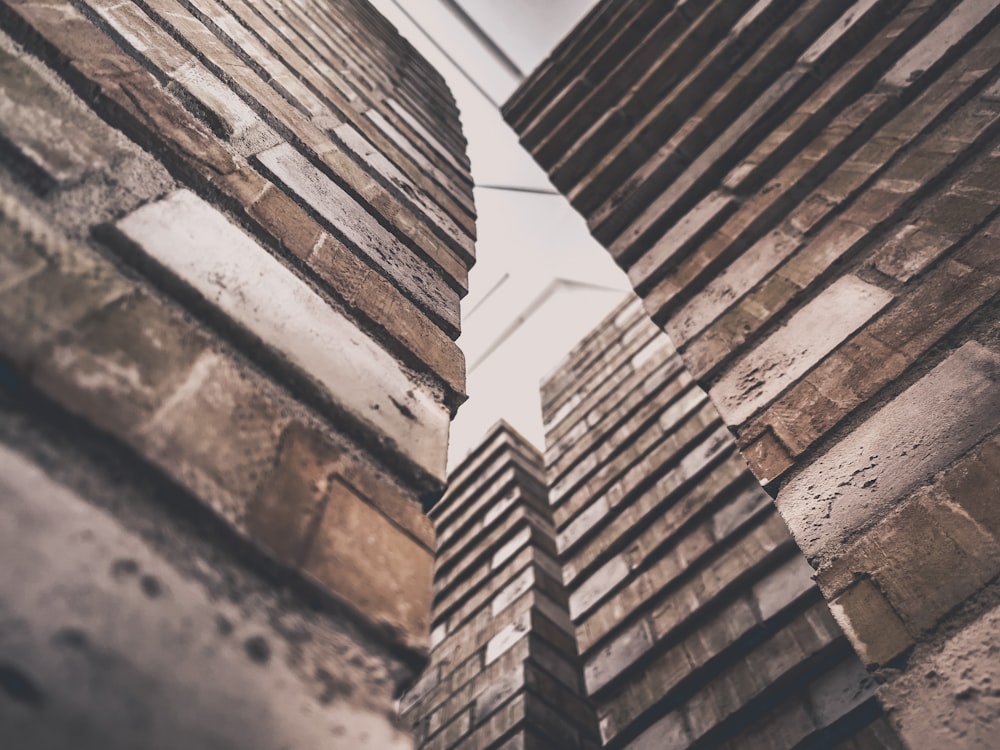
(289, 503)
(55, 286)
(362, 556)
(33, 122)
(192, 436)
(120, 365)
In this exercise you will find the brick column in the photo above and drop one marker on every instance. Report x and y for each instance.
(504, 670)
(804, 194)
(696, 617)
(233, 239)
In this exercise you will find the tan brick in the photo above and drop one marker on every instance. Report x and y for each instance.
(362, 556)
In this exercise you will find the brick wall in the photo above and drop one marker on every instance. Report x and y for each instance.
(233, 239)
(504, 671)
(804, 195)
(696, 617)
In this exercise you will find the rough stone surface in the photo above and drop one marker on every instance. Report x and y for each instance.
(961, 706)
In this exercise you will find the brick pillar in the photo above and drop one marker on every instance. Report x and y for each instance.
(696, 617)
(504, 670)
(233, 239)
(804, 194)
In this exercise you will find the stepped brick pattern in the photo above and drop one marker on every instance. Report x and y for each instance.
(697, 619)
(233, 239)
(504, 671)
(805, 196)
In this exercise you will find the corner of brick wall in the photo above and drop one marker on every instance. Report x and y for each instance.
(233, 241)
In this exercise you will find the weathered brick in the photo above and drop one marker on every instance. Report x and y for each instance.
(781, 588)
(199, 246)
(895, 450)
(608, 663)
(362, 232)
(33, 122)
(812, 333)
(123, 363)
(365, 558)
(875, 630)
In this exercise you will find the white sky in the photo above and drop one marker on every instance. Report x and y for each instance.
(540, 282)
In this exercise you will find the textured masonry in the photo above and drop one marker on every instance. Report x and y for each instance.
(804, 195)
(697, 619)
(233, 239)
(504, 671)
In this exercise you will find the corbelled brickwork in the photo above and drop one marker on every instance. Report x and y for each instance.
(233, 239)
(805, 196)
(697, 619)
(504, 671)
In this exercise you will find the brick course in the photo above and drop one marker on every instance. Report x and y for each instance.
(751, 166)
(504, 670)
(235, 235)
(695, 617)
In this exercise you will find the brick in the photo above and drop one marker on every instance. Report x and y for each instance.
(808, 336)
(594, 588)
(719, 632)
(912, 437)
(767, 457)
(974, 483)
(507, 637)
(362, 556)
(52, 285)
(192, 435)
(962, 20)
(840, 691)
(289, 503)
(657, 679)
(607, 664)
(199, 246)
(358, 144)
(121, 364)
(926, 558)
(875, 630)
(496, 693)
(515, 589)
(746, 504)
(669, 733)
(731, 283)
(778, 590)
(909, 251)
(33, 122)
(363, 234)
(510, 548)
(582, 524)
